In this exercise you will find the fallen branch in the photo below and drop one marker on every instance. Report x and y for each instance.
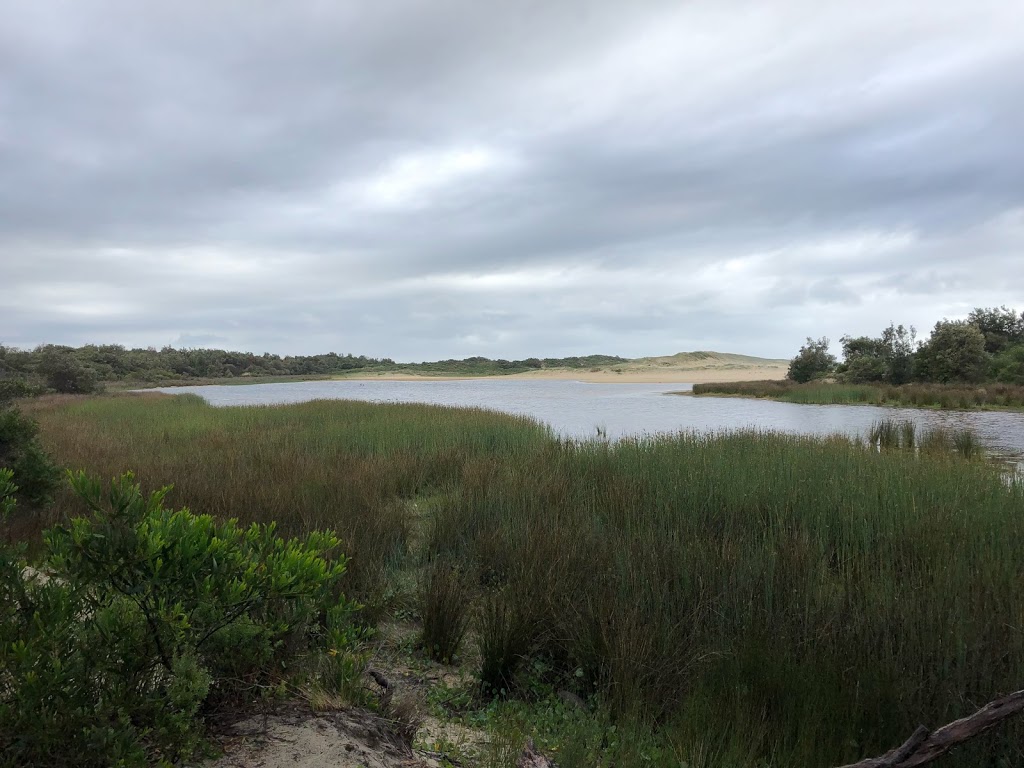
(924, 746)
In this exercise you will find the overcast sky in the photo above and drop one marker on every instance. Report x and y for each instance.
(506, 178)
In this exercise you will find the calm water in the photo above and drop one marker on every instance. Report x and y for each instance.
(576, 409)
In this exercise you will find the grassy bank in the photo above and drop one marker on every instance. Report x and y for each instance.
(744, 599)
(952, 396)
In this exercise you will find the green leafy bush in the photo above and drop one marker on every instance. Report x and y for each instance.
(139, 619)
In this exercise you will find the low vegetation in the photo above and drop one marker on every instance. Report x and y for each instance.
(135, 620)
(950, 396)
(740, 599)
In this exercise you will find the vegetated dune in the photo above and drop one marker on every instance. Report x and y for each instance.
(683, 367)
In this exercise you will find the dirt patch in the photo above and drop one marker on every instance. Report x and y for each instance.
(301, 738)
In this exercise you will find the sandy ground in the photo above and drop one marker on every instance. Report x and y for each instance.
(301, 739)
(628, 375)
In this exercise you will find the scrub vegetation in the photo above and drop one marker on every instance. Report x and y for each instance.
(967, 364)
(743, 599)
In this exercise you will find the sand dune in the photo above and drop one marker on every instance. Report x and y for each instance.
(682, 368)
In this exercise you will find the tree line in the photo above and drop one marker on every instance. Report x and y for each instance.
(987, 346)
(83, 369)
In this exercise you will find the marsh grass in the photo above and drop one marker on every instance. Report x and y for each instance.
(889, 434)
(946, 396)
(747, 598)
(345, 465)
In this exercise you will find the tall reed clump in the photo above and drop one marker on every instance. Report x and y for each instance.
(889, 434)
(444, 608)
(506, 631)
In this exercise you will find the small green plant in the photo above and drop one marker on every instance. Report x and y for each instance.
(444, 607)
(140, 618)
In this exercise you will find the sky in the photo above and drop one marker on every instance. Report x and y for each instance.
(513, 178)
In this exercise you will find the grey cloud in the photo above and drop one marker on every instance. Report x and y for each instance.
(704, 174)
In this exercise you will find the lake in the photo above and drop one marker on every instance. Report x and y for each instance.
(577, 409)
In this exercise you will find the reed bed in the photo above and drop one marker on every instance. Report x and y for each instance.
(772, 599)
(354, 467)
(948, 396)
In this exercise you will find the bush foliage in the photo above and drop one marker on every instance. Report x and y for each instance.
(138, 619)
(986, 347)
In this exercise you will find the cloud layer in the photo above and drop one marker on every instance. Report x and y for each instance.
(450, 178)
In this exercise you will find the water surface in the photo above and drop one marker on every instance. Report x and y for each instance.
(577, 409)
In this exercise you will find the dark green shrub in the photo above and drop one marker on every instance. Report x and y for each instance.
(65, 373)
(813, 361)
(140, 619)
(444, 608)
(34, 473)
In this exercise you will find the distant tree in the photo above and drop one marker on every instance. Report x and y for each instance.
(1002, 327)
(898, 352)
(813, 361)
(63, 372)
(954, 352)
(889, 358)
(863, 359)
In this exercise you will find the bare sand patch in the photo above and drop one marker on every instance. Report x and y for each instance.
(303, 739)
(626, 374)
(662, 375)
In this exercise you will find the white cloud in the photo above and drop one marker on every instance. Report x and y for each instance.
(410, 179)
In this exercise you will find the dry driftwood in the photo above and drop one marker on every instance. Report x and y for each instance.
(924, 746)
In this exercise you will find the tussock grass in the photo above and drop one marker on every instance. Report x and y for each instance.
(444, 608)
(776, 599)
(948, 396)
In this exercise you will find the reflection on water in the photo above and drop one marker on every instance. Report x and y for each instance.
(576, 409)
